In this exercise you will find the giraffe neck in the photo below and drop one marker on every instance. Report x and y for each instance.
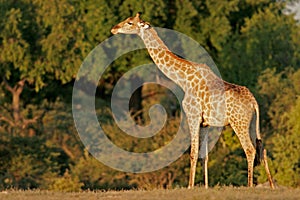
(170, 64)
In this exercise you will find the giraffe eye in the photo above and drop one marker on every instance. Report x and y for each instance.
(130, 23)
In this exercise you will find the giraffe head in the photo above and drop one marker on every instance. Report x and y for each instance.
(132, 25)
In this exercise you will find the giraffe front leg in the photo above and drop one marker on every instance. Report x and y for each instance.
(205, 159)
(193, 112)
(193, 157)
(206, 172)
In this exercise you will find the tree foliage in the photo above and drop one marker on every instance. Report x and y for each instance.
(43, 43)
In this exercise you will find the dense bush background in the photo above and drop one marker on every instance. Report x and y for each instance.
(43, 43)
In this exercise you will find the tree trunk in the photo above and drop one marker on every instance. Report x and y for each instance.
(16, 107)
(15, 92)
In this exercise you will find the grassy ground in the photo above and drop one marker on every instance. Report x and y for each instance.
(194, 194)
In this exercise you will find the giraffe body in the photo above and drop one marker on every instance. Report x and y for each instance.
(208, 100)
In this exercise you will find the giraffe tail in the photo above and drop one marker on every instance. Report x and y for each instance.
(259, 152)
(256, 138)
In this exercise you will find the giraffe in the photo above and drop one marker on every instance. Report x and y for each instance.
(208, 100)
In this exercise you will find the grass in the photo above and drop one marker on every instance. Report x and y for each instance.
(193, 194)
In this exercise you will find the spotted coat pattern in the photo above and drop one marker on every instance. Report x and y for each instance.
(208, 100)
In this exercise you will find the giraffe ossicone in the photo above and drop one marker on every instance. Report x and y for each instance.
(208, 100)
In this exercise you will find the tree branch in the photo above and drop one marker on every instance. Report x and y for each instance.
(26, 122)
(5, 119)
(7, 86)
(18, 88)
(65, 147)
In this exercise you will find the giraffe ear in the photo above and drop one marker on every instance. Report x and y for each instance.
(147, 25)
(137, 16)
(144, 25)
(140, 22)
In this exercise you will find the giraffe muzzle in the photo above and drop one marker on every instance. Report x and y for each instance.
(115, 29)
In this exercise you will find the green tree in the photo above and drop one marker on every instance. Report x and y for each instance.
(265, 41)
(66, 183)
(44, 43)
(94, 175)
(40, 42)
(283, 111)
(28, 162)
(41, 50)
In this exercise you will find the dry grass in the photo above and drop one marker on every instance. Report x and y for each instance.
(194, 194)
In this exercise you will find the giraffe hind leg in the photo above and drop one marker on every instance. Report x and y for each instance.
(267, 169)
(250, 161)
(242, 133)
